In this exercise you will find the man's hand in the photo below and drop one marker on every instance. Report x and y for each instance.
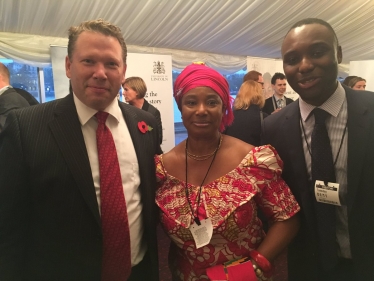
(275, 111)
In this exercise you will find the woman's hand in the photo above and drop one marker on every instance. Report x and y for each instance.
(280, 234)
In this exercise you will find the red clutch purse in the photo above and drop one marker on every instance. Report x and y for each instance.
(234, 270)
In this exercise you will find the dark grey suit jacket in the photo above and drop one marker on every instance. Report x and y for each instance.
(50, 226)
(282, 131)
(10, 100)
(156, 113)
(269, 105)
(247, 125)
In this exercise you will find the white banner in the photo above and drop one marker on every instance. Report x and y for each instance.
(268, 67)
(364, 69)
(60, 81)
(156, 71)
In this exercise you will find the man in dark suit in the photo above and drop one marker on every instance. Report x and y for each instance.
(9, 98)
(51, 173)
(311, 54)
(277, 101)
(27, 96)
(255, 76)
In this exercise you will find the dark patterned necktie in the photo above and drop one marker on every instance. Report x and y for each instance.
(280, 103)
(323, 170)
(116, 263)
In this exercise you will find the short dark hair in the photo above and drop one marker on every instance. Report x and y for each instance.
(99, 26)
(315, 21)
(252, 75)
(277, 75)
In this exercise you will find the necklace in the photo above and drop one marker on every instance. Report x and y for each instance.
(203, 157)
(196, 218)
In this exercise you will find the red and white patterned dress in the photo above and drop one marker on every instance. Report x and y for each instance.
(231, 202)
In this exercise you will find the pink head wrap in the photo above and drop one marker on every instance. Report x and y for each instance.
(197, 75)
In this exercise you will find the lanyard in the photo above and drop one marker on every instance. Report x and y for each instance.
(340, 146)
(196, 218)
(273, 100)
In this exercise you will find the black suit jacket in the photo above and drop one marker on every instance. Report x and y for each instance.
(156, 113)
(10, 100)
(27, 96)
(282, 130)
(247, 125)
(50, 226)
(269, 105)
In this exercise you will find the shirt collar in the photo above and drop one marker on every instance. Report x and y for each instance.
(277, 98)
(332, 105)
(3, 89)
(85, 113)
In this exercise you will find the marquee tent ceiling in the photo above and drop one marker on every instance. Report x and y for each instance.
(230, 27)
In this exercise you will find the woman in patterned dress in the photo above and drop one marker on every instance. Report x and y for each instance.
(218, 180)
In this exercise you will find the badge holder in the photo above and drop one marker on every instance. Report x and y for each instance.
(202, 232)
(327, 192)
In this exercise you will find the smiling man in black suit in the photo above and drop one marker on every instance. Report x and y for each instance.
(59, 159)
(311, 54)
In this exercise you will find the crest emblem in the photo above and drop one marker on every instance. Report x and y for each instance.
(158, 67)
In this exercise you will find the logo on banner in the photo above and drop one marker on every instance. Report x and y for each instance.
(256, 66)
(159, 72)
(158, 67)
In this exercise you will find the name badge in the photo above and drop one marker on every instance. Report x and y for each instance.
(327, 193)
(202, 233)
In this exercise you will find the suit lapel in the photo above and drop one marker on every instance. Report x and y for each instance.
(132, 119)
(66, 129)
(292, 135)
(295, 148)
(358, 140)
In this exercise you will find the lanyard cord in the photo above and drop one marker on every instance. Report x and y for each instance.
(196, 218)
(340, 146)
(273, 100)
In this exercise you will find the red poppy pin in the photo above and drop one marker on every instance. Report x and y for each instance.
(143, 127)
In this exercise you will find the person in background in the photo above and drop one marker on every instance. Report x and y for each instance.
(347, 79)
(9, 98)
(77, 192)
(212, 179)
(27, 96)
(255, 76)
(357, 83)
(326, 141)
(248, 117)
(134, 93)
(278, 100)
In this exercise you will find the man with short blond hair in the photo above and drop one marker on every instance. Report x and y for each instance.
(77, 193)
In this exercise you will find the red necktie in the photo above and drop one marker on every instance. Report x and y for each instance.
(116, 263)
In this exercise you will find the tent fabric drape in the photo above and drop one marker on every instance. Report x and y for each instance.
(220, 32)
(35, 51)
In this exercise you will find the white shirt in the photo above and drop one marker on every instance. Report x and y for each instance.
(336, 105)
(128, 166)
